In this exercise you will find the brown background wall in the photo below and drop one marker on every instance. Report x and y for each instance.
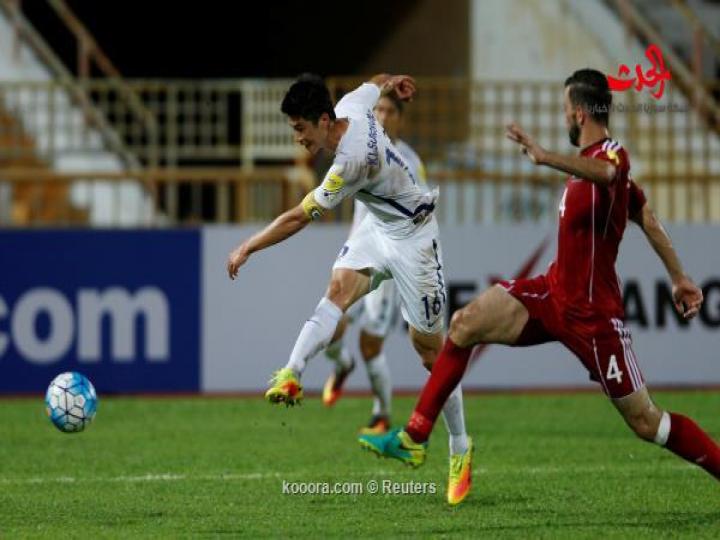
(432, 40)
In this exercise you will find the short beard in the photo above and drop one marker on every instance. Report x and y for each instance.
(574, 134)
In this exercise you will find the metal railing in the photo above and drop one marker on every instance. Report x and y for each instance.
(67, 94)
(216, 195)
(457, 126)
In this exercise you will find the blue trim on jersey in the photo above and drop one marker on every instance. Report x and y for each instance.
(441, 283)
(429, 207)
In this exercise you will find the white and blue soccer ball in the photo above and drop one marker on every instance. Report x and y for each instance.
(71, 402)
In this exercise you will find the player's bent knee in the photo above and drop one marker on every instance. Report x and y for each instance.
(346, 286)
(460, 330)
(335, 290)
(370, 346)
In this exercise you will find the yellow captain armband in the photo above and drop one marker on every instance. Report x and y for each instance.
(311, 208)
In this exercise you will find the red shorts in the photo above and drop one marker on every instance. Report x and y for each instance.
(602, 344)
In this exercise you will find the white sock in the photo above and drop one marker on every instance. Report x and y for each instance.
(379, 375)
(316, 333)
(663, 431)
(338, 353)
(455, 422)
(377, 407)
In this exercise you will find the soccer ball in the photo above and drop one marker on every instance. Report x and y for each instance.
(71, 402)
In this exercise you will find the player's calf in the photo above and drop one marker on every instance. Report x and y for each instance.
(340, 330)
(678, 433)
(428, 346)
(640, 414)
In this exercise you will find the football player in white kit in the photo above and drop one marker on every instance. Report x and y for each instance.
(377, 312)
(398, 239)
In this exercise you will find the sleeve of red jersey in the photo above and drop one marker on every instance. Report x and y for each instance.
(636, 198)
(612, 152)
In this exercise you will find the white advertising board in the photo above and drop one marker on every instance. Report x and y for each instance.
(250, 325)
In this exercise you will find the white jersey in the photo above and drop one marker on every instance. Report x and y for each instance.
(417, 170)
(368, 166)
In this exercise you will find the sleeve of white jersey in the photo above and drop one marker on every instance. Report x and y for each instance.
(357, 102)
(340, 182)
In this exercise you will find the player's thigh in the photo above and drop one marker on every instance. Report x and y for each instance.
(347, 286)
(380, 308)
(610, 358)
(493, 317)
(359, 268)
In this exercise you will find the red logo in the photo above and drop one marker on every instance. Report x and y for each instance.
(655, 76)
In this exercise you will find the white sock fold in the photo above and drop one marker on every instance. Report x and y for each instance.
(316, 333)
(455, 422)
(379, 375)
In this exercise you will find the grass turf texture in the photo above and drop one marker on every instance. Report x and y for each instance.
(546, 466)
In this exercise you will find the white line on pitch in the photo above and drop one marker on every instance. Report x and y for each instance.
(240, 477)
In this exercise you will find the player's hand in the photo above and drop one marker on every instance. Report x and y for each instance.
(533, 150)
(687, 297)
(237, 258)
(402, 85)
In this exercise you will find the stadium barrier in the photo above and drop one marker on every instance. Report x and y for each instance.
(154, 311)
(457, 126)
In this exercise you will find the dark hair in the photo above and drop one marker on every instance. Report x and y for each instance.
(399, 104)
(589, 89)
(308, 98)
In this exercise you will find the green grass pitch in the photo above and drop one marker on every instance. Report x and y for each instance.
(546, 466)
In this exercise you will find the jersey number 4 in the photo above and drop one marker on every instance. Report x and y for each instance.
(613, 371)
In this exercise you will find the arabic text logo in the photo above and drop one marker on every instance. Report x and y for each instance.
(655, 76)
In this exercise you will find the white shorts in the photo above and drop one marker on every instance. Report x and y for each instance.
(381, 310)
(414, 263)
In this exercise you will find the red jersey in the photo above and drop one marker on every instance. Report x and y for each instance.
(591, 225)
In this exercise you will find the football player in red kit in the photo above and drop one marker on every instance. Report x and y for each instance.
(579, 301)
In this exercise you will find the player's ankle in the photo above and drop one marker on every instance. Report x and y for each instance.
(459, 444)
(418, 428)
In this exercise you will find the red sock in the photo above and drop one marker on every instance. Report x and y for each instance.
(446, 373)
(690, 442)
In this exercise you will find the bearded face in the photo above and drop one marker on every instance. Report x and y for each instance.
(574, 131)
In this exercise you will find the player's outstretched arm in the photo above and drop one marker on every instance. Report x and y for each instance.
(594, 170)
(284, 226)
(403, 86)
(687, 296)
